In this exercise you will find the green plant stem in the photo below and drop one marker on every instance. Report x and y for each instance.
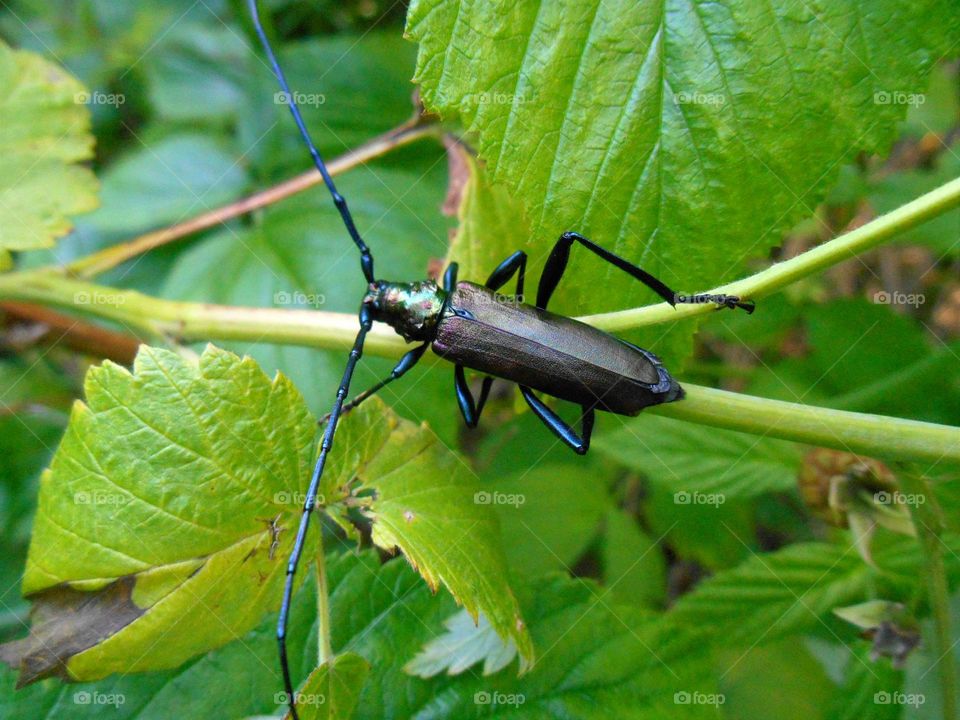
(155, 318)
(928, 520)
(873, 435)
(779, 276)
(324, 646)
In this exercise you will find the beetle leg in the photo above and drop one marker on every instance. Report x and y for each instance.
(450, 277)
(406, 363)
(516, 263)
(557, 263)
(579, 444)
(471, 410)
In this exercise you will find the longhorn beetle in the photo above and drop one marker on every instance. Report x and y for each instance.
(472, 327)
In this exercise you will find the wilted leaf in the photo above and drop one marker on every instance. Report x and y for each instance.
(168, 512)
(169, 498)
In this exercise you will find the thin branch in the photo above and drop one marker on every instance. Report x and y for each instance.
(78, 335)
(775, 278)
(96, 263)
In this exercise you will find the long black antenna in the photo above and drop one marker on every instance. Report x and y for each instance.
(311, 500)
(366, 259)
(366, 263)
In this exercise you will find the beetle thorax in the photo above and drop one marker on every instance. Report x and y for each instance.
(412, 309)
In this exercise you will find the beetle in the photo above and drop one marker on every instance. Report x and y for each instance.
(474, 326)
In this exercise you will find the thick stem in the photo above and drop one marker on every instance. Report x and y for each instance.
(928, 520)
(92, 265)
(873, 435)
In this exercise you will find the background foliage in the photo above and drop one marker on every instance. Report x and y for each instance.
(686, 155)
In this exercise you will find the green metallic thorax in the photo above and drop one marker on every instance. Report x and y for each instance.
(412, 309)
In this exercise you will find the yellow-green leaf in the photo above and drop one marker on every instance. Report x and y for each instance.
(44, 133)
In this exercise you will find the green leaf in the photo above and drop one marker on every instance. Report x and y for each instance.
(850, 365)
(45, 131)
(785, 670)
(385, 613)
(789, 592)
(599, 659)
(935, 111)
(298, 256)
(634, 568)
(428, 503)
(870, 691)
(165, 518)
(491, 222)
(33, 413)
(332, 690)
(168, 182)
(156, 536)
(703, 527)
(602, 660)
(697, 460)
(549, 514)
(196, 72)
(352, 88)
(671, 135)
